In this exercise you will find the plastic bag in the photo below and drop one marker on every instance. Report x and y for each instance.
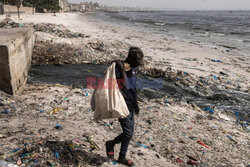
(107, 101)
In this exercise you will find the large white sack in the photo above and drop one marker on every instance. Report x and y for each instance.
(108, 100)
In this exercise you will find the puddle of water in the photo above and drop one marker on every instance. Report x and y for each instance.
(66, 75)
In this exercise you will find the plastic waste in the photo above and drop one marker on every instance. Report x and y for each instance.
(218, 61)
(6, 111)
(7, 164)
(231, 139)
(192, 162)
(223, 117)
(85, 92)
(236, 113)
(200, 142)
(56, 110)
(77, 141)
(166, 101)
(41, 111)
(92, 142)
(178, 160)
(57, 155)
(58, 30)
(141, 145)
(211, 111)
(19, 161)
(58, 126)
(9, 23)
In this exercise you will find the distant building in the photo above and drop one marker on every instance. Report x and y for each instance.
(74, 7)
(64, 6)
(86, 7)
(83, 7)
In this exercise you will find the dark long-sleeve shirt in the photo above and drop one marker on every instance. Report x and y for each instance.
(129, 92)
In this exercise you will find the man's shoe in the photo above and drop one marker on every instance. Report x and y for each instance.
(125, 161)
(110, 149)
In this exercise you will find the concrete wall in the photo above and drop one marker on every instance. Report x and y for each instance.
(16, 48)
(10, 9)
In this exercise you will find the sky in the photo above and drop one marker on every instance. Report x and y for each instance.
(178, 4)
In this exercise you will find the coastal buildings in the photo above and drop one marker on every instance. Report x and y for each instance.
(64, 5)
(84, 7)
(74, 7)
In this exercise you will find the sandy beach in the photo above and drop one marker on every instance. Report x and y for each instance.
(170, 125)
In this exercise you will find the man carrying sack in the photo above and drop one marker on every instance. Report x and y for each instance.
(116, 97)
(126, 71)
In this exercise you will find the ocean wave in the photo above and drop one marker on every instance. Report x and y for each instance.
(246, 41)
(160, 24)
(221, 22)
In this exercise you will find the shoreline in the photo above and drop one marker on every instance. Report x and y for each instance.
(167, 48)
(169, 128)
(175, 32)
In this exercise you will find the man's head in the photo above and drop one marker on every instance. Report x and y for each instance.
(135, 57)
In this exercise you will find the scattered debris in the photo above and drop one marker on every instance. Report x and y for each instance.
(231, 139)
(192, 162)
(9, 23)
(200, 142)
(52, 152)
(59, 30)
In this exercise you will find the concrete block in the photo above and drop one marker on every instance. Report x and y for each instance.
(16, 48)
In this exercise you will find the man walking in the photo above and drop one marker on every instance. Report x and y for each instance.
(126, 71)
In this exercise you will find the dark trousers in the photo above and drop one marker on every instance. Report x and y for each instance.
(124, 138)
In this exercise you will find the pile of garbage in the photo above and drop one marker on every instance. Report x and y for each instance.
(49, 53)
(9, 23)
(52, 153)
(59, 30)
(185, 79)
